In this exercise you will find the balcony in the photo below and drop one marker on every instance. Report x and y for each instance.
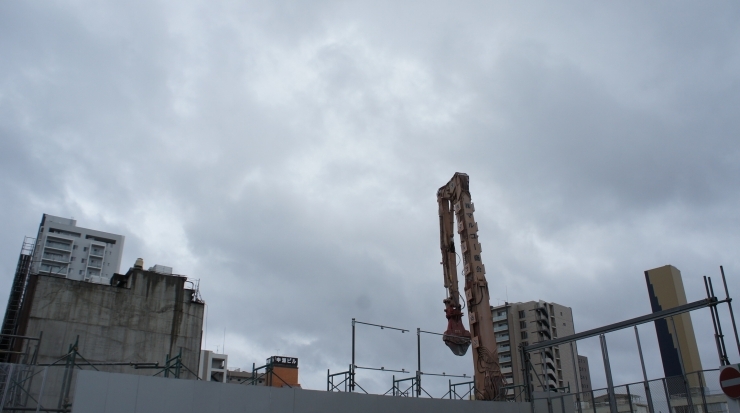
(500, 327)
(504, 349)
(56, 258)
(95, 265)
(52, 270)
(501, 339)
(543, 310)
(97, 252)
(505, 370)
(504, 359)
(58, 246)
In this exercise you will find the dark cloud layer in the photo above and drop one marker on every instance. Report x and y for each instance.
(288, 155)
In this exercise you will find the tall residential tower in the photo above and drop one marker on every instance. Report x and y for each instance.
(529, 323)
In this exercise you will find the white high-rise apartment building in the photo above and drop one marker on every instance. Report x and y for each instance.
(529, 323)
(65, 250)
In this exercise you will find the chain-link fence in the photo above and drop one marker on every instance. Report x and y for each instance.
(697, 392)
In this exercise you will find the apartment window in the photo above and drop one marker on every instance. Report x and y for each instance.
(80, 272)
(74, 247)
(82, 260)
(522, 314)
(561, 313)
(522, 324)
(524, 334)
(84, 249)
(72, 259)
(525, 343)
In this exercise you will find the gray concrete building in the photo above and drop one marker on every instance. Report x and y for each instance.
(584, 374)
(528, 323)
(141, 316)
(65, 250)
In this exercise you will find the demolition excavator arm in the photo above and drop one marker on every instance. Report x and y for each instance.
(454, 202)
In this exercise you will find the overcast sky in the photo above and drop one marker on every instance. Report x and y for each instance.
(287, 154)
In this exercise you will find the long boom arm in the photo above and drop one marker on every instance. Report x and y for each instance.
(455, 202)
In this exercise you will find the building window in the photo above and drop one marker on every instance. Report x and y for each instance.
(525, 343)
(80, 272)
(524, 334)
(563, 324)
(72, 259)
(522, 324)
(74, 247)
(522, 314)
(84, 249)
(82, 260)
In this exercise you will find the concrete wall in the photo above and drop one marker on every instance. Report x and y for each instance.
(150, 316)
(118, 393)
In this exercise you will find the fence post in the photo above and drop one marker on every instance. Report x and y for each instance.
(701, 388)
(629, 397)
(593, 401)
(352, 367)
(608, 371)
(667, 394)
(576, 370)
(562, 403)
(645, 382)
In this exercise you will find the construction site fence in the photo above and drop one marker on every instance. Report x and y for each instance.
(25, 388)
(697, 392)
(34, 388)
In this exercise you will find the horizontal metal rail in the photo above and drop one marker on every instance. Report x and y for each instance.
(627, 323)
(382, 327)
(382, 369)
(443, 374)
